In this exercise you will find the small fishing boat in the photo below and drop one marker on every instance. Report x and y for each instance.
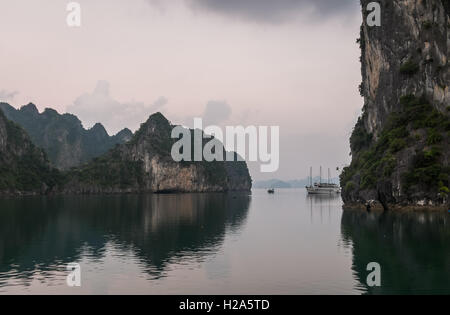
(271, 191)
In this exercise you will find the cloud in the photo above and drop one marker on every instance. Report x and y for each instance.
(7, 95)
(216, 112)
(159, 103)
(276, 11)
(99, 106)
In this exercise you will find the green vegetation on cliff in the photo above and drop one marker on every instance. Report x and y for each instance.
(23, 166)
(417, 131)
(400, 145)
(63, 137)
(143, 164)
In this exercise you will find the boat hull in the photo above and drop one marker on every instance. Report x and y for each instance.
(323, 191)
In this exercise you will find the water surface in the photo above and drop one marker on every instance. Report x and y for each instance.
(287, 243)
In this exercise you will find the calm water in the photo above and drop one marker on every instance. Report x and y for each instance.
(287, 243)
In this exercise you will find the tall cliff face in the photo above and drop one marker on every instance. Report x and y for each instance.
(400, 145)
(63, 137)
(406, 55)
(145, 165)
(24, 168)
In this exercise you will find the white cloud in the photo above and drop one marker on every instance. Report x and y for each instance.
(7, 95)
(100, 106)
(216, 112)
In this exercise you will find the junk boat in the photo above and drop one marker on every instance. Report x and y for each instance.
(321, 188)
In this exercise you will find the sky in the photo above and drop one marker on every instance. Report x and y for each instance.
(287, 63)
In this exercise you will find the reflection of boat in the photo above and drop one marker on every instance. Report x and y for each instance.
(271, 191)
(321, 188)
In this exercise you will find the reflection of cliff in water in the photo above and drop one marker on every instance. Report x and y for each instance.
(413, 250)
(37, 234)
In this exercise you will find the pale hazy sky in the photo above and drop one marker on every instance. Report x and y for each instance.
(291, 63)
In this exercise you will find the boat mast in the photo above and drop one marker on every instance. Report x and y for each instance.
(320, 179)
(329, 176)
(310, 177)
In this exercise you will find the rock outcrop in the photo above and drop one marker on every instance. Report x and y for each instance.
(145, 165)
(400, 145)
(63, 137)
(24, 168)
(142, 165)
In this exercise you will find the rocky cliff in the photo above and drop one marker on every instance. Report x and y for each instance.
(63, 137)
(145, 164)
(400, 145)
(142, 165)
(24, 168)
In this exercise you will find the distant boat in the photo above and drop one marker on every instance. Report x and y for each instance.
(321, 188)
(271, 191)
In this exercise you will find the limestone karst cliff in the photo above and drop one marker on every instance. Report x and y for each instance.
(400, 145)
(142, 165)
(145, 164)
(63, 137)
(24, 168)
